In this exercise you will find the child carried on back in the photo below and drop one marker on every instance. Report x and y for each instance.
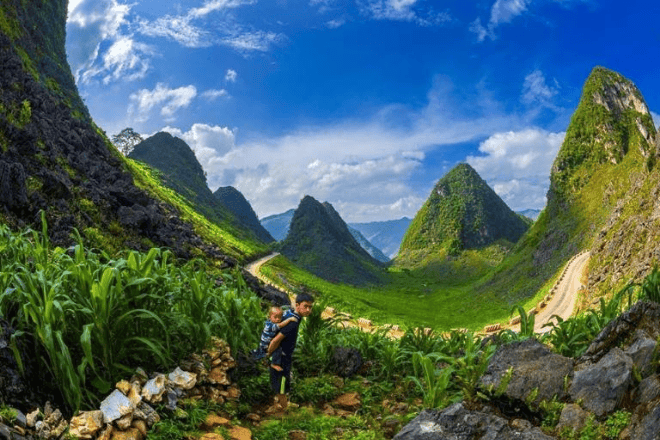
(272, 326)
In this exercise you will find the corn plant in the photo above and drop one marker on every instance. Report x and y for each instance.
(434, 383)
(470, 365)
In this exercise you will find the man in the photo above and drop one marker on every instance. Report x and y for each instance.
(286, 339)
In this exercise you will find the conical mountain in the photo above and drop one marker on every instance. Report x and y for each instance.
(462, 212)
(181, 171)
(604, 185)
(233, 200)
(319, 241)
(179, 167)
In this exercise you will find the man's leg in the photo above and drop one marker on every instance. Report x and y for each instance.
(276, 376)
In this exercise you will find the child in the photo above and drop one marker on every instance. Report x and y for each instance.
(272, 326)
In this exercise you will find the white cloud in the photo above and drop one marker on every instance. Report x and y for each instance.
(213, 94)
(92, 22)
(334, 24)
(537, 91)
(190, 29)
(402, 10)
(169, 101)
(231, 75)
(260, 41)
(502, 11)
(517, 165)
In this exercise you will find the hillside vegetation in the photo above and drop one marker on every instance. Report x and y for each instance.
(603, 174)
(54, 159)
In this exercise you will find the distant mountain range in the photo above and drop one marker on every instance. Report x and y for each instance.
(320, 241)
(384, 235)
(531, 214)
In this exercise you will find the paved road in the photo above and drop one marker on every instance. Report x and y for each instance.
(254, 267)
(563, 301)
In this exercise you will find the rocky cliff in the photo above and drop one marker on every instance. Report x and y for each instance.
(319, 241)
(602, 198)
(54, 159)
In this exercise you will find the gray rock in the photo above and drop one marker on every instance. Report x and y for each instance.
(603, 386)
(641, 352)
(648, 389)
(534, 367)
(115, 406)
(572, 416)
(458, 423)
(649, 427)
(21, 420)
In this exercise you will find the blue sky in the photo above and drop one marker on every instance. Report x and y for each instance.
(361, 103)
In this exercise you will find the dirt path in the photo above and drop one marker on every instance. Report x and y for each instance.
(255, 266)
(566, 289)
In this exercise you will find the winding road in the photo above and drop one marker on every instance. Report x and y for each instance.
(561, 303)
(566, 289)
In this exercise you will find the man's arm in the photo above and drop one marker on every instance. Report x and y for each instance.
(275, 343)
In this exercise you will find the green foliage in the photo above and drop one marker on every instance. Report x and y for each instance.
(7, 414)
(434, 382)
(651, 286)
(592, 430)
(96, 318)
(19, 115)
(315, 389)
(317, 427)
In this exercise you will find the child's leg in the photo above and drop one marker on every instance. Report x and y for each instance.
(277, 360)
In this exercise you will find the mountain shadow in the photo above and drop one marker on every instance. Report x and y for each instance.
(233, 200)
(462, 213)
(320, 242)
(602, 197)
(180, 170)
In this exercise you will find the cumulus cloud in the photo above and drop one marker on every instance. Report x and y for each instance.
(502, 11)
(168, 100)
(516, 164)
(91, 23)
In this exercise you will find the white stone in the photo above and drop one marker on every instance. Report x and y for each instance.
(116, 405)
(182, 379)
(153, 390)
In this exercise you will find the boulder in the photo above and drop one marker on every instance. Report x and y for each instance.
(345, 361)
(86, 424)
(535, 367)
(603, 386)
(648, 428)
(572, 416)
(182, 379)
(153, 390)
(641, 352)
(648, 389)
(458, 423)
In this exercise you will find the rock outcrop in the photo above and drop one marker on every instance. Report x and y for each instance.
(619, 371)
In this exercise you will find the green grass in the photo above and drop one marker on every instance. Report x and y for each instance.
(230, 241)
(410, 298)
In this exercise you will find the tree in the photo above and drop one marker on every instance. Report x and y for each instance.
(126, 140)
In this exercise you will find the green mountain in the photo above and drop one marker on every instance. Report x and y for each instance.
(180, 170)
(461, 213)
(603, 190)
(319, 241)
(233, 200)
(54, 159)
